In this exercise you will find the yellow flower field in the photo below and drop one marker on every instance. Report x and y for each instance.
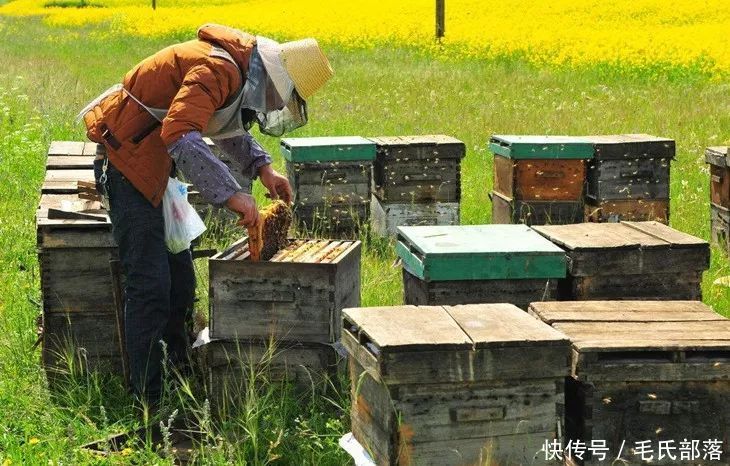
(623, 33)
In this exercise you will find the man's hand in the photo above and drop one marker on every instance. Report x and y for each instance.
(245, 206)
(277, 184)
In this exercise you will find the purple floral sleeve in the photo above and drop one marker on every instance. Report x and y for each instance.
(246, 152)
(205, 171)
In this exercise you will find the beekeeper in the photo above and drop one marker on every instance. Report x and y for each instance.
(153, 124)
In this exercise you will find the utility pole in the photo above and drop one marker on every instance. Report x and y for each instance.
(440, 19)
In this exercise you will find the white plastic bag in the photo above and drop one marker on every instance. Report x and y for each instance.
(182, 222)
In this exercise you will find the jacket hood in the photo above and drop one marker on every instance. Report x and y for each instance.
(238, 43)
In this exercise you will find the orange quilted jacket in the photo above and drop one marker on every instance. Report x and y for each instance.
(184, 78)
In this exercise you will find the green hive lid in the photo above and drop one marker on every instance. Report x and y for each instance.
(541, 147)
(478, 252)
(328, 149)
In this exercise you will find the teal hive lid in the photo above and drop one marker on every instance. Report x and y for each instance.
(478, 252)
(541, 147)
(328, 149)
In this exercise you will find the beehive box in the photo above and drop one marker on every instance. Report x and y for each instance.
(720, 224)
(628, 168)
(386, 218)
(79, 325)
(296, 296)
(538, 179)
(330, 177)
(231, 365)
(629, 260)
(71, 161)
(416, 181)
(417, 169)
(433, 385)
(645, 371)
(508, 210)
(478, 264)
(635, 210)
(716, 157)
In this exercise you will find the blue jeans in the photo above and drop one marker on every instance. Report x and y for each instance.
(160, 286)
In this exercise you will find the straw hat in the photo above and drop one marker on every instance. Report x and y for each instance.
(306, 65)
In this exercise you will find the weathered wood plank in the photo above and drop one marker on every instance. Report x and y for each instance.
(53, 234)
(720, 185)
(648, 286)
(77, 280)
(450, 292)
(539, 180)
(623, 311)
(628, 179)
(507, 210)
(407, 328)
(80, 341)
(668, 234)
(66, 148)
(597, 236)
(472, 366)
(230, 367)
(716, 156)
(631, 146)
(387, 217)
(69, 162)
(638, 210)
(720, 226)
(503, 325)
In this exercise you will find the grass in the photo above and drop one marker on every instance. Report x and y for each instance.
(388, 91)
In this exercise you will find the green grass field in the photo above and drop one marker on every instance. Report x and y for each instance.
(48, 74)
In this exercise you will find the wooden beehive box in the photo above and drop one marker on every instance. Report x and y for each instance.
(627, 168)
(417, 169)
(478, 264)
(416, 181)
(539, 179)
(231, 365)
(716, 157)
(508, 210)
(434, 385)
(296, 296)
(645, 371)
(386, 218)
(629, 260)
(330, 177)
(79, 313)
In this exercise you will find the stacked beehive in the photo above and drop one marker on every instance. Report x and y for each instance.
(650, 381)
(716, 157)
(539, 179)
(293, 300)
(628, 178)
(433, 385)
(416, 181)
(80, 328)
(478, 264)
(330, 177)
(629, 260)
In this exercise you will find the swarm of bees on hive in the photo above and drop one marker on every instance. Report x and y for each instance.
(270, 235)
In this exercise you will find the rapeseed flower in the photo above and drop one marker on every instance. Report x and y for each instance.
(622, 33)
